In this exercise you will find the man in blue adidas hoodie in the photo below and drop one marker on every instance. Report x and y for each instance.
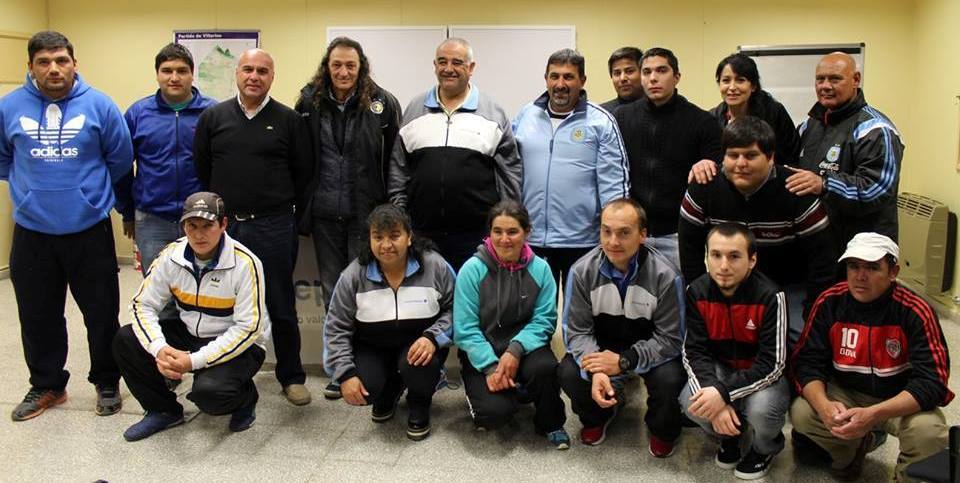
(161, 127)
(63, 145)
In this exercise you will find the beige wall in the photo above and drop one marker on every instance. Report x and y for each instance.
(699, 31)
(906, 42)
(18, 18)
(931, 82)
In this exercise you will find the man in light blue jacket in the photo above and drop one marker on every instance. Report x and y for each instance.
(574, 162)
(63, 145)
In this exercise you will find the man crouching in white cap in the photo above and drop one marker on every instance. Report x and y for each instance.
(871, 361)
(217, 285)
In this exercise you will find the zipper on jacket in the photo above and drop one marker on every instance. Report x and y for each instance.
(873, 376)
(730, 319)
(199, 276)
(499, 292)
(519, 274)
(546, 193)
(176, 159)
(396, 308)
(443, 171)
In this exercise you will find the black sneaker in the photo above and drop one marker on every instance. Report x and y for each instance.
(807, 452)
(384, 411)
(754, 465)
(332, 391)
(108, 399)
(242, 419)
(879, 437)
(36, 402)
(418, 429)
(153, 422)
(853, 470)
(728, 454)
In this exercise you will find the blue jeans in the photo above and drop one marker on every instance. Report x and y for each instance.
(763, 413)
(669, 247)
(273, 239)
(152, 234)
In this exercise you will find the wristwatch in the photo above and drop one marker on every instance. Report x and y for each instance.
(624, 364)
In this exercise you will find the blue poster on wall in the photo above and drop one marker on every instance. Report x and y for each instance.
(215, 54)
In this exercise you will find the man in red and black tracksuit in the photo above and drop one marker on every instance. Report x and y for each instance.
(871, 358)
(735, 352)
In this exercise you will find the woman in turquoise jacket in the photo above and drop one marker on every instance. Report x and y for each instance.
(505, 312)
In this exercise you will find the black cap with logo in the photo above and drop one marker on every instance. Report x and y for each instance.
(203, 204)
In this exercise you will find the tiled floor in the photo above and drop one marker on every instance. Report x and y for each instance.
(331, 441)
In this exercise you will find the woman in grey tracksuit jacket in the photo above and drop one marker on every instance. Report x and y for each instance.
(372, 324)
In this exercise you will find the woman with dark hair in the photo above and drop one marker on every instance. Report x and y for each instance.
(739, 82)
(353, 125)
(389, 325)
(505, 313)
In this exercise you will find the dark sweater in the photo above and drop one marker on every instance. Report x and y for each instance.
(663, 143)
(615, 103)
(351, 152)
(794, 244)
(260, 165)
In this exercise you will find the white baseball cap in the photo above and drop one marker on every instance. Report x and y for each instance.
(870, 247)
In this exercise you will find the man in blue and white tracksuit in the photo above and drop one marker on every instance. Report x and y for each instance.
(574, 162)
(161, 128)
(63, 145)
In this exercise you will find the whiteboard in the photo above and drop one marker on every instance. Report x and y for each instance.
(401, 58)
(787, 71)
(511, 59)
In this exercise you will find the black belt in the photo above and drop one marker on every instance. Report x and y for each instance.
(248, 216)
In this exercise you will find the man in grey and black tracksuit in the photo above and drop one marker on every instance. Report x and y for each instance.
(458, 158)
(623, 315)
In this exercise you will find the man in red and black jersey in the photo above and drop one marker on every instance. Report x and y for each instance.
(735, 351)
(872, 357)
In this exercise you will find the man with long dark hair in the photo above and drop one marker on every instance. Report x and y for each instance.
(353, 124)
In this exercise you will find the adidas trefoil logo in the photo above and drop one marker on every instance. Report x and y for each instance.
(53, 135)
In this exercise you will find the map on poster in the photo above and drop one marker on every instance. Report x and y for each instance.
(215, 54)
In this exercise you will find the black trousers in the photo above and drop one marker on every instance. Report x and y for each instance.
(385, 372)
(560, 260)
(274, 240)
(336, 243)
(663, 382)
(42, 266)
(219, 389)
(456, 246)
(537, 383)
